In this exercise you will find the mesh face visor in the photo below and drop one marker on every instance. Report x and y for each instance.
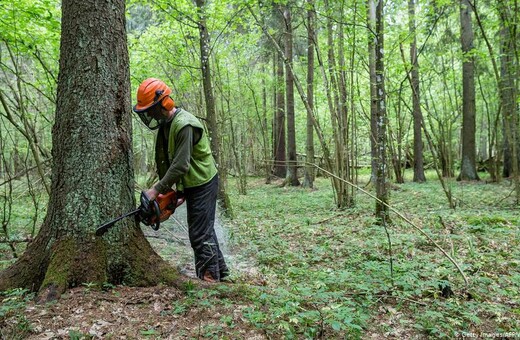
(152, 117)
(150, 122)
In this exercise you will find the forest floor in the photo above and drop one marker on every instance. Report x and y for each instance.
(303, 269)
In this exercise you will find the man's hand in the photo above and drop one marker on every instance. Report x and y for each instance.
(180, 198)
(152, 193)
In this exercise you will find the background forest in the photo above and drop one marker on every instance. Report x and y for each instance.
(369, 152)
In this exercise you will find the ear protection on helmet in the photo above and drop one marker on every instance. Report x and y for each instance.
(168, 103)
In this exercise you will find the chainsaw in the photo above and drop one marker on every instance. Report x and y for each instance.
(150, 213)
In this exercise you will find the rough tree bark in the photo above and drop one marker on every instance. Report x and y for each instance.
(468, 169)
(92, 177)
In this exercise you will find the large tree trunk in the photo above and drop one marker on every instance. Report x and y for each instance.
(211, 114)
(292, 174)
(468, 170)
(309, 174)
(418, 164)
(92, 177)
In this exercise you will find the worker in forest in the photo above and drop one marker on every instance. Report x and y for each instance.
(184, 159)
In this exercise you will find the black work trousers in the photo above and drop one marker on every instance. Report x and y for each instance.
(201, 205)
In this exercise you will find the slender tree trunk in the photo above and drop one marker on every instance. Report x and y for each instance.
(309, 174)
(92, 177)
(329, 89)
(353, 133)
(371, 22)
(396, 138)
(508, 97)
(26, 129)
(343, 141)
(319, 132)
(265, 134)
(337, 107)
(445, 122)
(468, 170)
(381, 119)
(418, 164)
(292, 167)
(280, 169)
(509, 79)
(211, 115)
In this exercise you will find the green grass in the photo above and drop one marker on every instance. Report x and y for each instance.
(329, 273)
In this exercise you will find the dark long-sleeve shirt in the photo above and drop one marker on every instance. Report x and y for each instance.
(180, 164)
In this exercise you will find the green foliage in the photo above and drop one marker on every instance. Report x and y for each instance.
(328, 271)
(25, 217)
(89, 286)
(13, 323)
(13, 301)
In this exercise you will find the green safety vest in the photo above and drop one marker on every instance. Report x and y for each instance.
(202, 166)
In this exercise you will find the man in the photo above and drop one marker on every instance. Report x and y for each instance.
(184, 159)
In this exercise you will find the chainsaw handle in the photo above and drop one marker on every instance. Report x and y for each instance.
(157, 212)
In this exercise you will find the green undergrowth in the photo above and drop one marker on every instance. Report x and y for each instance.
(13, 323)
(22, 215)
(308, 270)
(329, 271)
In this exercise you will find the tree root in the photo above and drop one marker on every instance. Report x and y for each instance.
(69, 262)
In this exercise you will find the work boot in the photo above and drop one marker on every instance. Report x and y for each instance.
(208, 277)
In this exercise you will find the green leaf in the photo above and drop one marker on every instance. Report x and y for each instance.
(336, 325)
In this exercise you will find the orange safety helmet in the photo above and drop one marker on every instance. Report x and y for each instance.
(150, 93)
